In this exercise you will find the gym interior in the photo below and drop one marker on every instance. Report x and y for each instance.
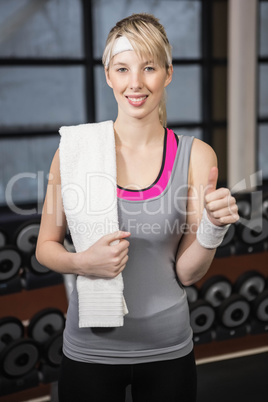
(51, 75)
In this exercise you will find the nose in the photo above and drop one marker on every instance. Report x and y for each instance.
(136, 81)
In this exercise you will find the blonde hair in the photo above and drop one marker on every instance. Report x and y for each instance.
(147, 37)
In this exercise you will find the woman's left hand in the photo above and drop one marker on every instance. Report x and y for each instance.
(220, 204)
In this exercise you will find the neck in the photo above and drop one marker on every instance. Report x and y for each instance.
(138, 133)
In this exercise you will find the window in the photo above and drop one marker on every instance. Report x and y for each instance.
(42, 81)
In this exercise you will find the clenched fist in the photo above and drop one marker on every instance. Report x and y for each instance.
(220, 204)
(107, 257)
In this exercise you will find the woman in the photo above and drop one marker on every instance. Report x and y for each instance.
(172, 219)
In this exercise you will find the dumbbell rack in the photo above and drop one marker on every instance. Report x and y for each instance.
(246, 338)
(244, 249)
(28, 291)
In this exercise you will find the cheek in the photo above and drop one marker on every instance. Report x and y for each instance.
(158, 84)
(118, 91)
(118, 85)
(158, 87)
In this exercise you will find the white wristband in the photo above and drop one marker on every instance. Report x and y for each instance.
(208, 234)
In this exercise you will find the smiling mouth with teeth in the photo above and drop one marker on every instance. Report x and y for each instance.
(137, 99)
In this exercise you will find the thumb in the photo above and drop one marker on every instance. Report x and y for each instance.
(114, 238)
(212, 180)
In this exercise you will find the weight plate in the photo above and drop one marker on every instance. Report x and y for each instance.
(11, 328)
(229, 236)
(27, 237)
(192, 293)
(45, 323)
(19, 358)
(216, 289)
(10, 263)
(202, 316)
(255, 231)
(53, 349)
(36, 267)
(250, 284)
(260, 306)
(234, 311)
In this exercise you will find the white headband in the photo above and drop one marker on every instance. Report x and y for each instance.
(121, 44)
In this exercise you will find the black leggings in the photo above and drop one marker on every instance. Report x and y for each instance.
(164, 381)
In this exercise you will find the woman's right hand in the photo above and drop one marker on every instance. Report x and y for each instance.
(106, 258)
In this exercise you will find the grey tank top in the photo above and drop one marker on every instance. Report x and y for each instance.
(157, 326)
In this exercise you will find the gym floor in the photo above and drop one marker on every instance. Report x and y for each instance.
(243, 379)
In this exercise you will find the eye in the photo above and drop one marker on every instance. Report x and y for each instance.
(149, 68)
(122, 70)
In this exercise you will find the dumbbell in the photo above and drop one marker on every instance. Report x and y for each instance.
(35, 266)
(46, 328)
(260, 306)
(36, 275)
(232, 309)
(253, 231)
(18, 356)
(202, 314)
(10, 263)
(251, 285)
(252, 228)
(191, 293)
(26, 236)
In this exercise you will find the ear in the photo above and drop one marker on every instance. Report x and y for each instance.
(106, 69)
(169, 75)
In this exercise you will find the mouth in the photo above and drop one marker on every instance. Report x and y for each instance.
(137, 100)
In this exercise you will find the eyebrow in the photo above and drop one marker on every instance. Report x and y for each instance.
(126, 64)
(119, 64)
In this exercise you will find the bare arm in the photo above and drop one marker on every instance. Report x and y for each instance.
(193, 260)
(99, 260)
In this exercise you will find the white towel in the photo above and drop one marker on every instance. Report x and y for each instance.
(89, 193)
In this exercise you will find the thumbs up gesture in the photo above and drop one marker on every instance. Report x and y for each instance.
(220, 204)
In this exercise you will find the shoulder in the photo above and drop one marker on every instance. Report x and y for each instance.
(202, 152)
(203, 157)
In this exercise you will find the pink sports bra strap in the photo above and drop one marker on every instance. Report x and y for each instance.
(160, 184)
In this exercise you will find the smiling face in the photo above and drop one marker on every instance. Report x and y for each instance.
(138, 84)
